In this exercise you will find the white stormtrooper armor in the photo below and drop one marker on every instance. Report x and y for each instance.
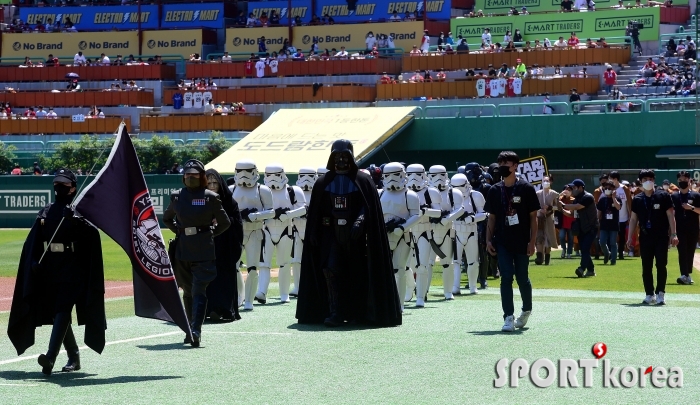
(466, 238)
(255, 203)
(306, 180)
(321, 171)
(422, 233)
(288, 203)
(399, 206)
(443, 233)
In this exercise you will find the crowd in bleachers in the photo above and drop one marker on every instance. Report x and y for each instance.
(567, 6)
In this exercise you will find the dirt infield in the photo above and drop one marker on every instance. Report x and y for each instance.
(113, 289)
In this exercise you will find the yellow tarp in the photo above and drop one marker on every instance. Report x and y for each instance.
(299, 138)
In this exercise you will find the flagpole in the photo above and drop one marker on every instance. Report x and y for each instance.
(48, 245)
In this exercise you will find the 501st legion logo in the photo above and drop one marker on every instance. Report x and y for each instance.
(147, 242)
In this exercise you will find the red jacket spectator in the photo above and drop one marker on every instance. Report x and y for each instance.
(610, 77)
(386, 79)
(16, 171)
(573, 41)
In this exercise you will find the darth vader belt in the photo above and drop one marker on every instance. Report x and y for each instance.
(193, 230)
(61, 247)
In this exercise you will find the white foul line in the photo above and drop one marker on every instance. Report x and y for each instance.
(250, 333)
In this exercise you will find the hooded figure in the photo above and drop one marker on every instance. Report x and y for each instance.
(347, 273)
(51, 282)
(223, 291)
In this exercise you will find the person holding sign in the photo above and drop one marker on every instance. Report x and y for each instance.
(511, 232)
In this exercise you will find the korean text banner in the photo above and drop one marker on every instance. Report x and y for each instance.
(299, 138)
(94, 18)
(239, 40)
(594, 25)
(538, 6)
(66, 45)
(200, 15)
(172, 42)
(377, 9)
(352, 36)
(300, 8)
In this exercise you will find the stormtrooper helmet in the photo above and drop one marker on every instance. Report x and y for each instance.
(321, 170)
(417, 178)
(394, 176)
(460, 182)
(275, 178)
(307, 178)
(246, 173)
(438, 177)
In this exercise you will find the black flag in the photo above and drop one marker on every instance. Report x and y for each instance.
(118, 203)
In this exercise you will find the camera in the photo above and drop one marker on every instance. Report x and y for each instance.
(635, 25)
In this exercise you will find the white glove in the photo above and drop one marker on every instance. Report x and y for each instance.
(398, 231)
(253, 216)
(283, 217)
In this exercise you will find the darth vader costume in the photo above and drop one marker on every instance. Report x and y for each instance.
(347, 273)
(70, 274)
(223, 291)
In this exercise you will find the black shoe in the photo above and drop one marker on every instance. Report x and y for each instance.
(214, 316)
(293, 295)
(621, 257)
(590, 273)
(73, 363)
(73, 352)
(263, 301)
(196, 338)
(61, 323)
(46, 364)
(579, 272)
(199, 309)
(605, 259)
(539, 259)
(187, 340)
(547, 257)
(333, 321)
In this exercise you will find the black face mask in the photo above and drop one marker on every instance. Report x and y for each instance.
(504, 171)
(342, 162)
(62, 193)
(683, 184)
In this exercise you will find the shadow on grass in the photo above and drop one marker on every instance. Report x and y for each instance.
(78, 379)
(640, 305)
(165, 346)
(496, 332)
(347, 327)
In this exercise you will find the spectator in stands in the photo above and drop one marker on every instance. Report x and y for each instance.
(390, 43)
(508, 37)
(251, 21)
(427, 77)
(51, 61)
(315, 20)
(610, 77)
(209, 108)
(409, 16)
(573, 41)
(649, 68)
(211, 85)
(104, 60)
(274, 18)
(69, 26)
(298, 55)
(8, 109)
(486, 37)
(449, 50)
(226, 58)
(513, 11)
(547, 109)
(3, 114)
(590, 44)
(624, 105)
(517, 37)
(195, 57)
(538, 45)
(690, 53)
(262, 46)
(620, 5)
(241, 109)
(370, 41)
(573, 98)
(416, 78)
(547, 44)
(118, 61)
(560, 44)
(496, 48)
(329, 20)
(566, 5)
(264, 20)
(601, 43)
(510, 47)
(395, 17)
(51, 114)
(16, 171)
(343, 54)
(37, 169)
(385, 79)
(73, 86)
(27, 62)
(558, 72)
(79, 59)
(40, 113)
(520, 68)
(29, 113)
(463, 47)
(523, 11)
(382, 42)
(297, 21)
(241, 20)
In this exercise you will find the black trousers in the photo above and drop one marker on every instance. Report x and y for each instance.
(654, 247)
(687, 240)
(194, 277)
(622, 240)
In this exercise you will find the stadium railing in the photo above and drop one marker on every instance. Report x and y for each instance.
(61, 125)
(199, 122)
(83, 98)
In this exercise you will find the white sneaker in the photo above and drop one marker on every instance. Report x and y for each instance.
(649, 300)
(420, 303)
(661, 299)
(508, 325)
(473, 290)
(449, 297)
(630, 254)
(522, 319)
(248, 306)
(690, 280)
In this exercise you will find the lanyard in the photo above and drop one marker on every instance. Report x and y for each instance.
(647, 201)
(506, 200)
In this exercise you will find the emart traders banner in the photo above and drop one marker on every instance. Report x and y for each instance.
(538, 6)
(375, 10)
(352, 36)
(66, 45)
(94, 18)
(172, 42)
(592, 25)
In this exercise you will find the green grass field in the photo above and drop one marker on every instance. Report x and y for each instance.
(443, 353)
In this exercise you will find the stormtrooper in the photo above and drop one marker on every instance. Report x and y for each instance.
(288, 203)
(401, 209)
(305, 181)
(422, 234)
(255, 203)
(451, 208)
(466, 232)
(477, 179)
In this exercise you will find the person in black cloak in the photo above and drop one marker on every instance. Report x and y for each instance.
(347, 274)
(70, 274)
(223, 291)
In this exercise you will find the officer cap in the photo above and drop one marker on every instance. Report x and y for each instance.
(194, 166)
(65, 176)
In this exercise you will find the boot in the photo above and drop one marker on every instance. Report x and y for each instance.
(538, 259)
(421, 286)
(457, 277)
(410, 284)
(240, 285)
(187, 302)
(546, 259)
(447, 282)
(71, 347)
(335, 319)
(296, 275)
(235, 315)
(263, 284)
(60, 325)
(251, 284)
(199, 310)
(285, 275)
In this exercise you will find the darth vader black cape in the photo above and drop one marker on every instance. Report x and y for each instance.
(371, 272)
(28, 311)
